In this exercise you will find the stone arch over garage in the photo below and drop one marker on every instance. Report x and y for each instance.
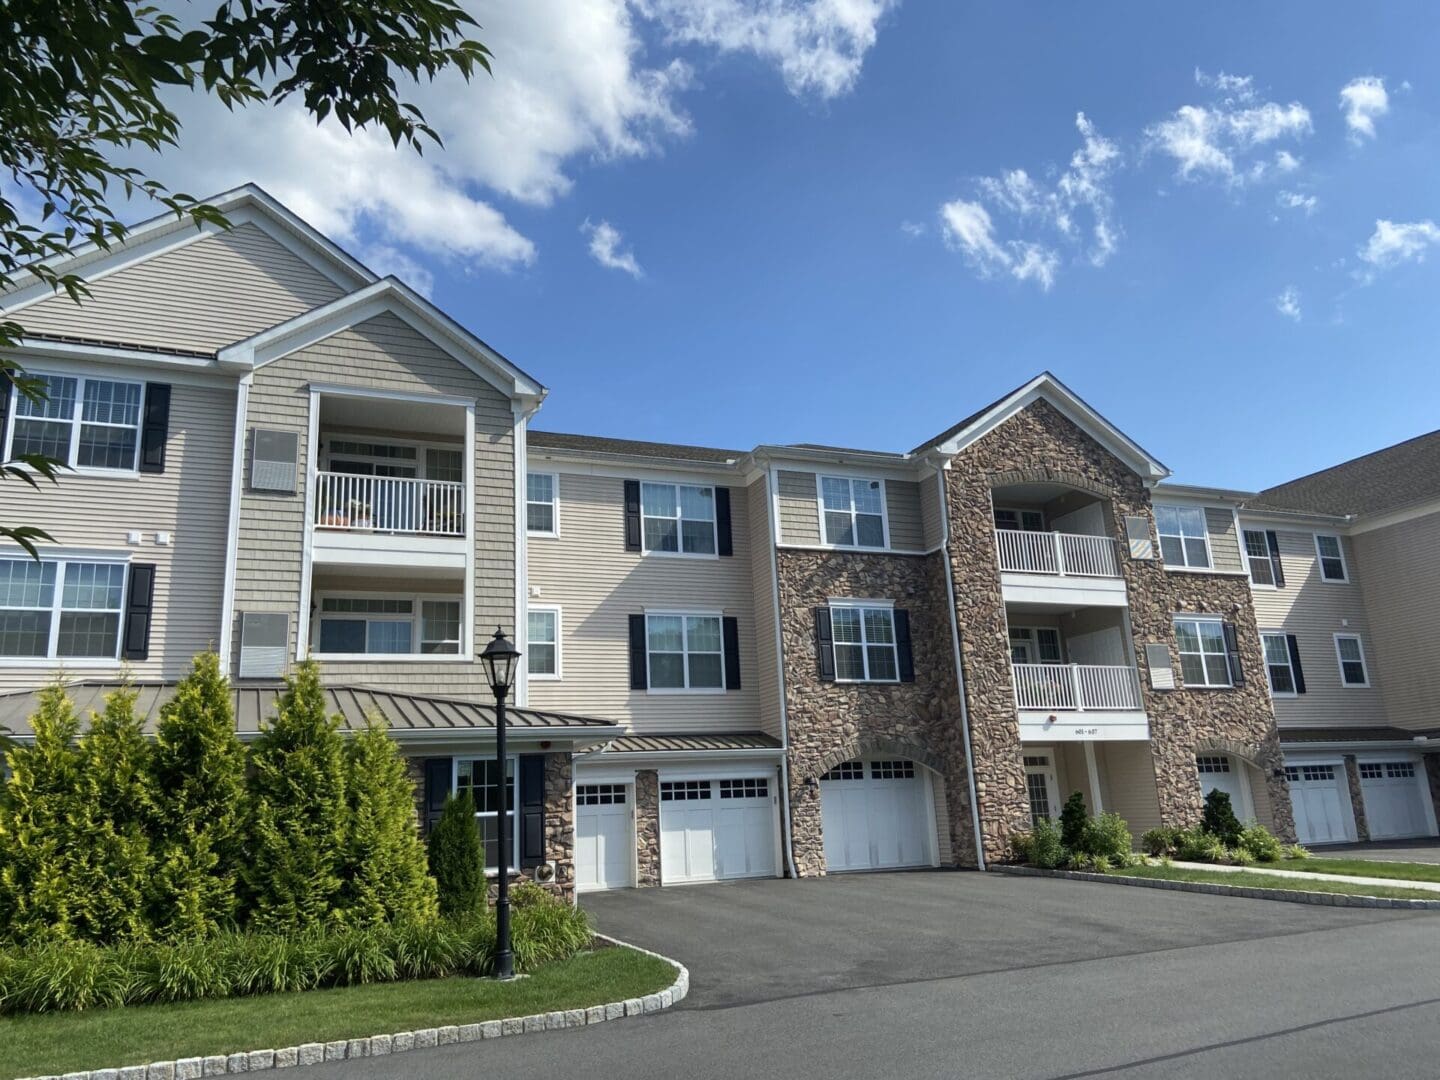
(875, 745)
(1246, 752)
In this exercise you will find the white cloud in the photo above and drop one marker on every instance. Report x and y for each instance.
(1288, 303)
(1363, 101)
(386, 260)
(1294, 200)
(1216, 139)
(605, 241)
(818, 45)
(1075, 209)
(1392, 244)
(912, 229)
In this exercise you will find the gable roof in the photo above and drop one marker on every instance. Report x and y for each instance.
(597, 444)
(1398, 476)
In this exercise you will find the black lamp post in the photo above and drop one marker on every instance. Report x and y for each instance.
(500, 658)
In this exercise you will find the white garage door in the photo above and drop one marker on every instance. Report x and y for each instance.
(874, 815)
(1321, 800)
(716, 829)
(1220, 772)
(1393, 799)
(603, 855)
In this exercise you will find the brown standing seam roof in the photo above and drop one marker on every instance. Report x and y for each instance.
(1368, 734)
(655, 744)
(255, 703)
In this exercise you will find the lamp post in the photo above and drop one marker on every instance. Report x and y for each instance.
(500, 658)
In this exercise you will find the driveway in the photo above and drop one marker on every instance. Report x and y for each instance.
(972, 975)
(1424, 850)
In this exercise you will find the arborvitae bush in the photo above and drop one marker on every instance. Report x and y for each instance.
(297, 836)
(457, 858)
(197, 776)
(387, 879)
(1219, 819)
(1073, 820)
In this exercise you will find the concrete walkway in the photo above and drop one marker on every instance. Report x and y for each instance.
(1263, 868)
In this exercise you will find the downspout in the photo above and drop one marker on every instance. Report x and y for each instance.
(959, 670)
(770, 502)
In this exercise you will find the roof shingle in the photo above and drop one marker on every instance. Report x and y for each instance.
(1399, 475)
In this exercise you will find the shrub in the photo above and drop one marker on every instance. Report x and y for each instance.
(1219, 818)
(457, 858)
(546, 928)
(73, 975)
(360, 955)
(1046, 849)
(1260, 843)
(181, 971)
(1197, 845)
(427, 950)
(1073, 820)
(1107, 836)
(265, 963)
(1160, 842)
(1086, 862)
(1296, 851)
(1021, 846)
(1241, 857)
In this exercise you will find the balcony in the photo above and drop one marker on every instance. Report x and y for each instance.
(374, 519)
(1064, 569)
(1079, 701)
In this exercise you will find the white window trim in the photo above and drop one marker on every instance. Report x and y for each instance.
(1020, 512)
(685, 652)
(559, 672)
(1052, 781)
(862, 606)
(512, 764)
(554, 532)
(1229, 683)
(1289, 663)
(387, 440)
(1245, 554)
(852, 478)
(50, 661)
(1035, 640)
(1320, 560)
(679, 518)
(73, 450)
(415, 622)
(1209, 568)
(1340, 662)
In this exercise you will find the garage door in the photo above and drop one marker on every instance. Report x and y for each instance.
(1321, 800)
(1220, 772)
(716, 829)
(875, 815)
(1393, 794)
(602, 836)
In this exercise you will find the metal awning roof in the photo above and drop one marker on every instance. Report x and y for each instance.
(661, 744)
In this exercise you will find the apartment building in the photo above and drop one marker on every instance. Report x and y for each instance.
(786, 660)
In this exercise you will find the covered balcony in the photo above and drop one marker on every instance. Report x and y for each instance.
(1055, 544)
(1074, 674)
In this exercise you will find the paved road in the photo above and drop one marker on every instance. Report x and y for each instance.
(1426, 851)
(970, 975)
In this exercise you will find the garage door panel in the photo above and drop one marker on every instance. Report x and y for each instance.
(1321, 805)
(874, 815)
(716, 829)
(603, 846)
(1393, 796)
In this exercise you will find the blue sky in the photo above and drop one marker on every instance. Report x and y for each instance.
(829, 242)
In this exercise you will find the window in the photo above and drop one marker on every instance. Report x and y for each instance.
(1034, 645)
(684, 790)
(685, 652)
(1212, 764)
(1257, 555)
(1183, 541)
(86, 423)
(1387, 770)
(1277, 664)
(1295, 773)
(1352, 660)
(864, 643)
(541, 515)
(1040, 787)
(846, 770)
(478, 776)
(892, 770)
(1332, 558)
(543, 651)
(1203, 657)
(600, 794)
(757, 788)
(1026, 520)
(78, 620)
(446, 465)
(678, 518)
(440, 626)
(388, 626)
(853, 511)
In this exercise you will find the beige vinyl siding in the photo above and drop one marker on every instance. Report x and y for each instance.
(1314, 611)
(1401, 568)
(190, 501)
(1259, 793)
(211, 292)
(799, 507)
(902, 506)
(1127, 784)
(381, 353)
(1224, 543)
(942, 819)
(932, 525)
(598, 585)
(762, 577)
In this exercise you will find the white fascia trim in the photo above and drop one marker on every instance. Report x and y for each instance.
(599, 463)
(522, 568)
(787, 826)
(642, 758)
(1070, 405)
(60, 553)
(232, 528)
(307, 551)
(662, 471)
(1215, 496)
(893, 466)
(1395, 517)
(66, 358)
(419, 396)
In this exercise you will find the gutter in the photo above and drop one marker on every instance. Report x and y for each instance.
(770, 496)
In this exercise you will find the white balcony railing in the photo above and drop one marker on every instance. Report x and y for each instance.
(1057, 553)
(389, 504)
(1077, 687)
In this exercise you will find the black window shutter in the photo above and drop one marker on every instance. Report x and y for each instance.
(904, 654)
(639, 675)
(1273, 543)
(724, 544)
(138, 608)
(1232, 654)
(437, 789)
(155, 427)
(632, 515)
(1294, 647)
(824, 644)
(8, 392)
(731, 628)
(532, 810)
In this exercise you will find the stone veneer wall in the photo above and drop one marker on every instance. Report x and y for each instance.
(1357, 797)
(647, 827)
(1432, 775)
(1039, 445)
(830, 722)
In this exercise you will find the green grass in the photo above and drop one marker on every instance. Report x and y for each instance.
(1403, 871)
(56, 1043)
(1250, 879)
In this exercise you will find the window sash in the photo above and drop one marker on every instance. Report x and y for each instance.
(433, 626)
(77, 422)
(1278, 668)
(863, 638)
(543, 636)
(1184, 537)
(678, 519)
(685, 660)
(67, 609)
(477, 775)
(440, 623)
(1331, 556)
(852, 511)
(1257, 556)
(1204, 661)
(1351, 655)
(541, 492)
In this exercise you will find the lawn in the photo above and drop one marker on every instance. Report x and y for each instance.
(1249, 879)
(1404, 871)
(54, 1043)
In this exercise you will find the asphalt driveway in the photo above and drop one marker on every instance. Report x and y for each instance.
(1426, 850)
(971, 975)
